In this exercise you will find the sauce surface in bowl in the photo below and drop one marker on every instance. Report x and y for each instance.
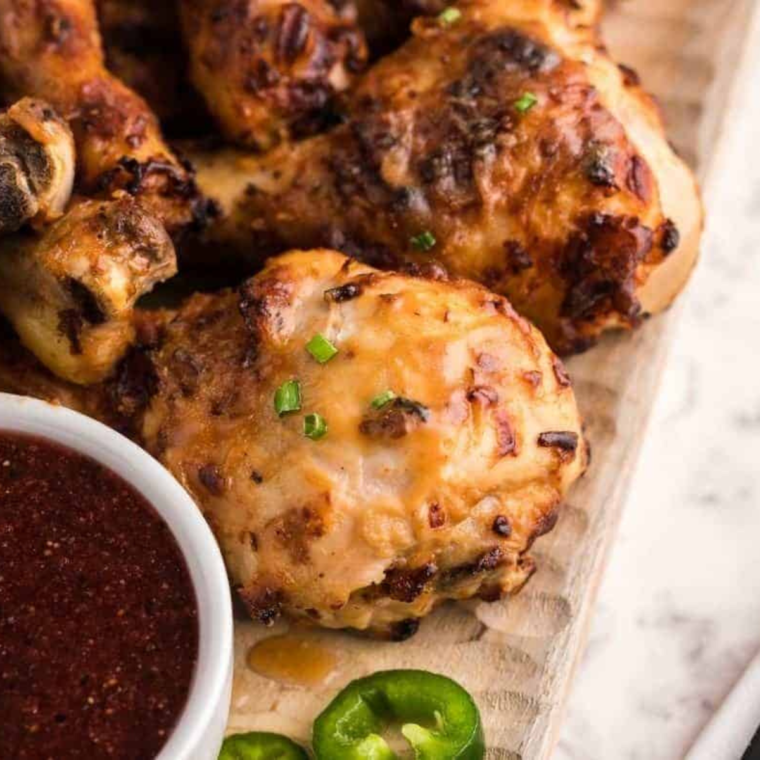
(98, 617)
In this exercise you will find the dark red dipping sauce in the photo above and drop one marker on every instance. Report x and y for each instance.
(98, 617)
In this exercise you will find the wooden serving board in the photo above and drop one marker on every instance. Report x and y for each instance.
(517, 657)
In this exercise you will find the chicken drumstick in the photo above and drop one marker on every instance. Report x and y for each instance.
(505, 145)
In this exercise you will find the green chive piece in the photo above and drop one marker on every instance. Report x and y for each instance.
(424, 241)
(382, 399)
(314, 426)
(525, 102)
(287, 398)
(321, 348)
(449, 16)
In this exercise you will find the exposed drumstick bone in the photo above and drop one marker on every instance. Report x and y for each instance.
(70, 293)
(36, 164)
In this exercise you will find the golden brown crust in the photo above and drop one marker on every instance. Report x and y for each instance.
(559, 205)
(51, 49)
(434, 496)
(269, 68)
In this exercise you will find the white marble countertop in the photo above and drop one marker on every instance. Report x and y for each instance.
(678, 615)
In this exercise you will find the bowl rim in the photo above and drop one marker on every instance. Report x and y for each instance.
(209, 689)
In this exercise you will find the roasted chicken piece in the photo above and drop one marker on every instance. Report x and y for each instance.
(451, 437)
(70, 292)
(505, 145)
(36, 164)
(268, 68)
(53, 51)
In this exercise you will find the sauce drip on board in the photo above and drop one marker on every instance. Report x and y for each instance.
(292, 659)
(98, 617)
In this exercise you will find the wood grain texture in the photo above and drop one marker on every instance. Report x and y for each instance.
(517, 657)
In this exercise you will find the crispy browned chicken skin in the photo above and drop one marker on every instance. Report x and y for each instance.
(436, 495)
(52, 50)
(506, 146)
(268, 68)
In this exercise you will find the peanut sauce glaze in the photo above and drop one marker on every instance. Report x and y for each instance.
(98, 617)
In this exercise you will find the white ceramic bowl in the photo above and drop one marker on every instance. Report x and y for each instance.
(200, 729)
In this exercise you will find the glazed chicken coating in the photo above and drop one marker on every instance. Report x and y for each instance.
(53, 51)
(70, 292)
(435, 495)
(268, 68)
(36, 164)
(506, 146)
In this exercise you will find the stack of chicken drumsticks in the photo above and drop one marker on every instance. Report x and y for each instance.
(417, 203)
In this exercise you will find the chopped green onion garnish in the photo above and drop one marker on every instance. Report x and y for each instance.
(314, 426)
(449, 16)
(424, 241)
(382, 399)
(321, 348)
(287, 398)
(525, 102)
